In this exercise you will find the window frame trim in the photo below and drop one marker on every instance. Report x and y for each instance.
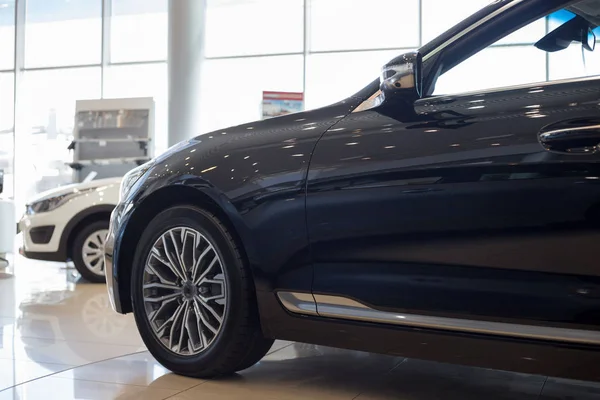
(461, 50)
(522, 86)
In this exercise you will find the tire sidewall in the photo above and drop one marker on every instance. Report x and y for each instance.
(77, 251)
(205, 223)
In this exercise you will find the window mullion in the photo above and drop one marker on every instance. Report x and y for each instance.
(105, 56)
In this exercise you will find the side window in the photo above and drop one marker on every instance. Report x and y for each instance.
(515, 60)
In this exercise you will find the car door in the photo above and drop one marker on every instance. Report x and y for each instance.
(466, 208)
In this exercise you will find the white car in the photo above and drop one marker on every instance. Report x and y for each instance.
(71, 223)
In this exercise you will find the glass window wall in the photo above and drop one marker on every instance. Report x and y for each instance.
(138, 30)
(6, 131)
(331, 77)
(248, 27)
(327, 49)
(47, 118)
(59, 32)
(360, 25)
(7, 34)
(229, 97)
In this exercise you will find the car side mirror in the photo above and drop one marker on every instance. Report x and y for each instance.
(402, 76)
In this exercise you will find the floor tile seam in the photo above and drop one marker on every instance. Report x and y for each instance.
(69, 369)
(41, 363)
(76, 341)
(108, 383)
(186, 390)
(403, 361)
(542, 389)
(302, 385)
(138, 385)
(35, 379)
(275, 351)
(205, 381)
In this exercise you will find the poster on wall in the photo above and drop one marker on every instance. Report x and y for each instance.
(275, 104)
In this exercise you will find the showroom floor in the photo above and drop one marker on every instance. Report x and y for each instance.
(61, 340)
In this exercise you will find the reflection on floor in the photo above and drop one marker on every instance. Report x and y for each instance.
(60, 340)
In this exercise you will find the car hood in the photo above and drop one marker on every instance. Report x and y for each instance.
(296, 127)
(267, 156)
(73, 188)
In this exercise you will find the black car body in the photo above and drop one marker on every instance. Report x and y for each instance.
(459, 228)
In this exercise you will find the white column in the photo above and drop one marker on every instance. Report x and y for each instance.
(186, 53)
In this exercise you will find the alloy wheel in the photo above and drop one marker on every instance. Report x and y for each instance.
(184, 291)
(93, 251)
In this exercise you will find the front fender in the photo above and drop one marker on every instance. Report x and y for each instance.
(195, 190)
(253, 176)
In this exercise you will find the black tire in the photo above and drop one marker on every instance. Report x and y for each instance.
(77, 251)
(239, 341)
(256, 352)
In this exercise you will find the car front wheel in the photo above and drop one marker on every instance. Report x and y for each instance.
(193, 296)
(88, 251)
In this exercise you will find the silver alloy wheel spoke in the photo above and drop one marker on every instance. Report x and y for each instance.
(172, 261)
(162, 286)
(176, 325)
(184, 291)
(196, 339)
(203, 318)
(207, 270)
(170, 321)
(184, 326)
(162, 299)
(158, 311)
(199, 260)
(93, 251)
(156, 271)
(212, 310)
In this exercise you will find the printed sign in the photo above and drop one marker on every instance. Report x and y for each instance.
(275, 104)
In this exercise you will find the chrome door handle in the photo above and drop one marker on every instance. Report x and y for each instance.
(576, 140)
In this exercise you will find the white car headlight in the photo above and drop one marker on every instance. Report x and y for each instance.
(131, 178)
(52, 203)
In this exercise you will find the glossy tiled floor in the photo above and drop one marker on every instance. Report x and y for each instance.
(60, 340)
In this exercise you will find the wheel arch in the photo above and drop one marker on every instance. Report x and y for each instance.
(162, 199)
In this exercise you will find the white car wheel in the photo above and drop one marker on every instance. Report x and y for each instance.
(88, 251)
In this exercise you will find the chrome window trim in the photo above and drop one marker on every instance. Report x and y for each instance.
(347, 309)
(476, 25)
(370, 103)
(522, 86)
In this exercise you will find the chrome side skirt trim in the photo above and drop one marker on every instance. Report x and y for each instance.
(300, 303)
(348, 309)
